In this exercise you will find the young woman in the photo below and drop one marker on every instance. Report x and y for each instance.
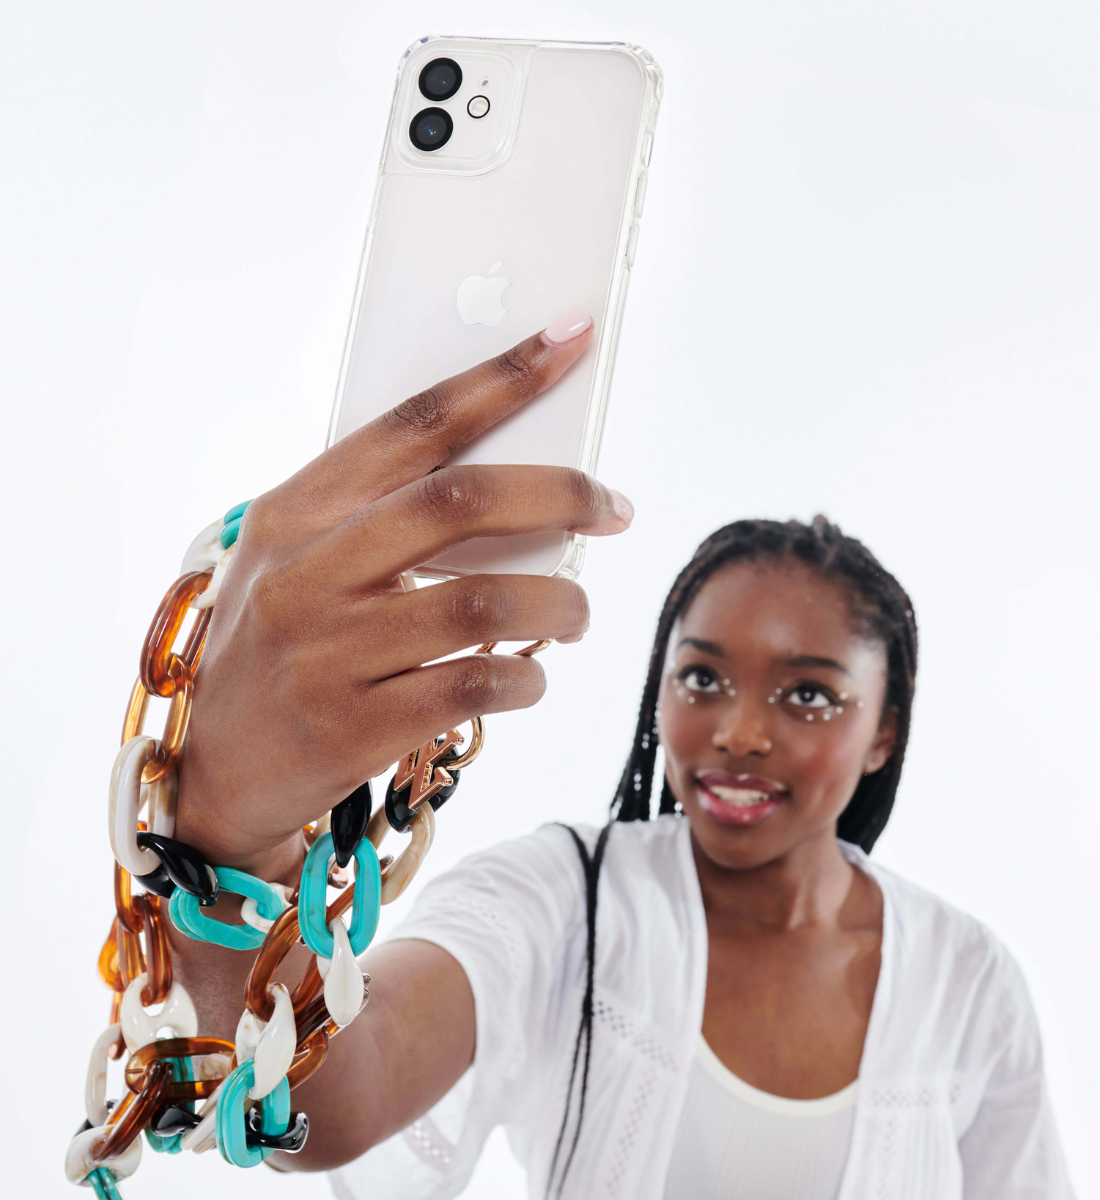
(728, 1000)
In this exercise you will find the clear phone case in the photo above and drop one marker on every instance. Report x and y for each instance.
(526, 211)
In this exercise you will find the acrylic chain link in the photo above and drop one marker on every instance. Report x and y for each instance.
(183, 1091)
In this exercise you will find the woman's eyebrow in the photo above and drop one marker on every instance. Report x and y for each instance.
(700, 644)
(814, 660)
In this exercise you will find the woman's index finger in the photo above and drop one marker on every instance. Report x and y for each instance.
(408, 441)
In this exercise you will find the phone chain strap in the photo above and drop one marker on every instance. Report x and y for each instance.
(182, 1090)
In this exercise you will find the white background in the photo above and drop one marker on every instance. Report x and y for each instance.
(867, 285)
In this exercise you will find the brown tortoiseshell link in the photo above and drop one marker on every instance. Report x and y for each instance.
(340, 905)
(158, 952)
(131, 956)
(196, 640)
(311, 983)
(124, 900)
(310, 1058)
(309, 988)
(175, 726)
(137, 1068)
(108, 966)
(130, 1116)
(136, 709)
(160, 665)
(312, 1018)
(277, 945)
(315, 1015)
(118, 1047)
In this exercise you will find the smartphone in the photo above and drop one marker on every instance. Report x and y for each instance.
(513, 176)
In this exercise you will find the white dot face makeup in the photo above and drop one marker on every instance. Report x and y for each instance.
(697, 683)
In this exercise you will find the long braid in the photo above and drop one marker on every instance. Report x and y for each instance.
(881, 609)
(591, 867)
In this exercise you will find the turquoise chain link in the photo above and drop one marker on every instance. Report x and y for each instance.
(189, 918)
(231, 524)
(366, 905)
(229, 1127)
(102, 1182)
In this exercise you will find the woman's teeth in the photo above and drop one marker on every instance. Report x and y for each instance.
(738, 797)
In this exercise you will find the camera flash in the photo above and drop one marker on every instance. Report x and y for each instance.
(478, 107)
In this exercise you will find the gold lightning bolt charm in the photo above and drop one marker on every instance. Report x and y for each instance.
(421, 773)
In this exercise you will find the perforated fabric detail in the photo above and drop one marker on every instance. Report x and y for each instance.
(888, 1150)
(428, 1144)
(658, 1058)
(632, 1128)
(612, 1017)
(488, 915)
(900, 1097)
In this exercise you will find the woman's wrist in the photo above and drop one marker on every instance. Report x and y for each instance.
(273, 859)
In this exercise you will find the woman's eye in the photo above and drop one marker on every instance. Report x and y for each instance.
(809, 695)
(700, 679)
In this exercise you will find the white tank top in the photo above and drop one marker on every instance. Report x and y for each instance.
(735, 1142)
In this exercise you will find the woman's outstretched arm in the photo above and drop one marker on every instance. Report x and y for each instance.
(405, 1051)
(313, 680)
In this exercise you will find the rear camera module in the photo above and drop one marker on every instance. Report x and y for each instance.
(440, 79)
(431, 129)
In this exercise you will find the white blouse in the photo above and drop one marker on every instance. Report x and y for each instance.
(735, 1142)
(952, 1101)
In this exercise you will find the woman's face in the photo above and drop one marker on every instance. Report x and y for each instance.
(770, 710)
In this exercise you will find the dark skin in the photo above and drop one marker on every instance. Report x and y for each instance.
(320, 672)
(795, 931)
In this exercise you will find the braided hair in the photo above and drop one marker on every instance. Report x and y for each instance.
(881, 609)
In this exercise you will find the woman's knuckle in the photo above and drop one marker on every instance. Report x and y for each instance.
(423, 412)
(478, 609)
(576, 603)
(450, 494)
(274, 601)
(477, 684)
(267, 598)
(583, 494)
(262, 521)
(517, 367)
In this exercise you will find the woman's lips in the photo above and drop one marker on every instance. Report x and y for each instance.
(739, 800)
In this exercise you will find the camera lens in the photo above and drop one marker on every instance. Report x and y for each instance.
(440, 79)
(431, 129)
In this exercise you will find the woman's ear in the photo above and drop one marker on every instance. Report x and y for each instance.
(883, 745)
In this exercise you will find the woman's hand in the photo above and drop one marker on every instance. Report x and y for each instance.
(313, 679)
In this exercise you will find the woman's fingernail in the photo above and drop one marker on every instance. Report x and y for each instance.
(624, 510)
(566, 328)
(607, 524)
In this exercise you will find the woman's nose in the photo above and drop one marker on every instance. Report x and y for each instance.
(742, 731)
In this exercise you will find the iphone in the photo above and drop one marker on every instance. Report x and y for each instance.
(512, 181)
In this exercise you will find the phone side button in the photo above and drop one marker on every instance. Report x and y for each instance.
(631, 247)
(639, 194)
(647, 147)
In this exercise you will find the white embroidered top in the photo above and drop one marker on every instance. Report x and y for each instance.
(734, 1140)
(952, 1102)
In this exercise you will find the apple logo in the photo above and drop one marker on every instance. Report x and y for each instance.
(479, 297)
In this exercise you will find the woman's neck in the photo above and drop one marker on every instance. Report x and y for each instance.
(808, 885)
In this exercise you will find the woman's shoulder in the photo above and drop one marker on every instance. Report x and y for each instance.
(539, 878)
(936, 940)
(549, 858)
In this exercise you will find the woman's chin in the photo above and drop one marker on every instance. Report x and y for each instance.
(736, 847)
